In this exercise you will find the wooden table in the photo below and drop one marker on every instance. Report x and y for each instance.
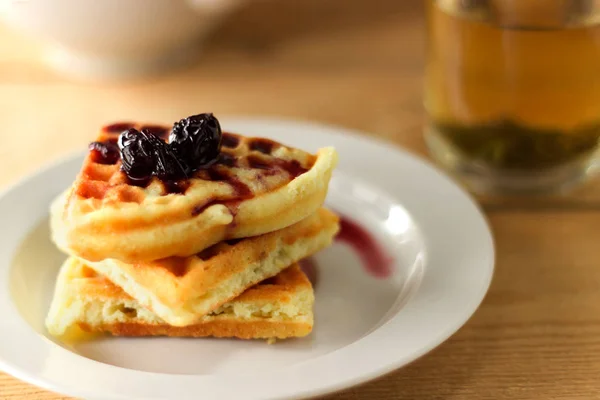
(358, 64)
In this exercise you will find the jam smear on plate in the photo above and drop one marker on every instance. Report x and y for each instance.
(373, 256)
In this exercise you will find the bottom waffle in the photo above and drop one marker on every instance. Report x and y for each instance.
(277, 308)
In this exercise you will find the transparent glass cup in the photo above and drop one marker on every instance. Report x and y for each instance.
(512, 91)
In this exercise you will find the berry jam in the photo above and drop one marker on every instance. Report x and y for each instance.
(240, 189)
(233, 206)
(142, 182)
(258, 163)
(104, 152)
(264, 146)
(227, 160)
(292, 167)
(373, 256)
(199, 209)
(230, 141)
(175, 187)
(216, 175)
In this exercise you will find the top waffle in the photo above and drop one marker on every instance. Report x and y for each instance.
(256, 186)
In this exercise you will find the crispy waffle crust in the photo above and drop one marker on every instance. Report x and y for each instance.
(182, 290)
(256, 186)
(280, 307)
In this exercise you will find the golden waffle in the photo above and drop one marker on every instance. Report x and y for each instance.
(182, 289)
(278, 308)
(257, 186)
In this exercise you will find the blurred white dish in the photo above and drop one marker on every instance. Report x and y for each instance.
(366, 324)
(116, 38)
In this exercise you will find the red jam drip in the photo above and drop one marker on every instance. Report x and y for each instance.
(199, 209)
(292, 167)
(232, 206)
(373, 256)
(258, 163)
(240, 189)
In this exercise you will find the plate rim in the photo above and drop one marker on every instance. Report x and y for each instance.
(342, 133)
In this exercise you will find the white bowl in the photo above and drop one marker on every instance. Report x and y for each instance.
(116, 38)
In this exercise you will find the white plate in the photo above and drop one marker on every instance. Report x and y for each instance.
(365, 325)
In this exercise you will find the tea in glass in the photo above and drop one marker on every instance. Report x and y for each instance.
(512, 91)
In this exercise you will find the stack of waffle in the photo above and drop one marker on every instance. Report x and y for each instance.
(214, 255)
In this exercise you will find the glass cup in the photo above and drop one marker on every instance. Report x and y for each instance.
(512, 91)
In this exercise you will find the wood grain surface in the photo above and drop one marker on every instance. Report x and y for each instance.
(358, 64)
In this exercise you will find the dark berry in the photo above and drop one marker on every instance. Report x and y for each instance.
(127, 136)
(104, 152)
(196, 140)
(138, 157)
(144, 154)
(166, 164)
(158, 130)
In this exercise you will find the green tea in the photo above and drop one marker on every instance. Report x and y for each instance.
(515, 85)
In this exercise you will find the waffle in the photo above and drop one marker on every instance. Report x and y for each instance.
(257, 186)
(182, 289)
(83, 300)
